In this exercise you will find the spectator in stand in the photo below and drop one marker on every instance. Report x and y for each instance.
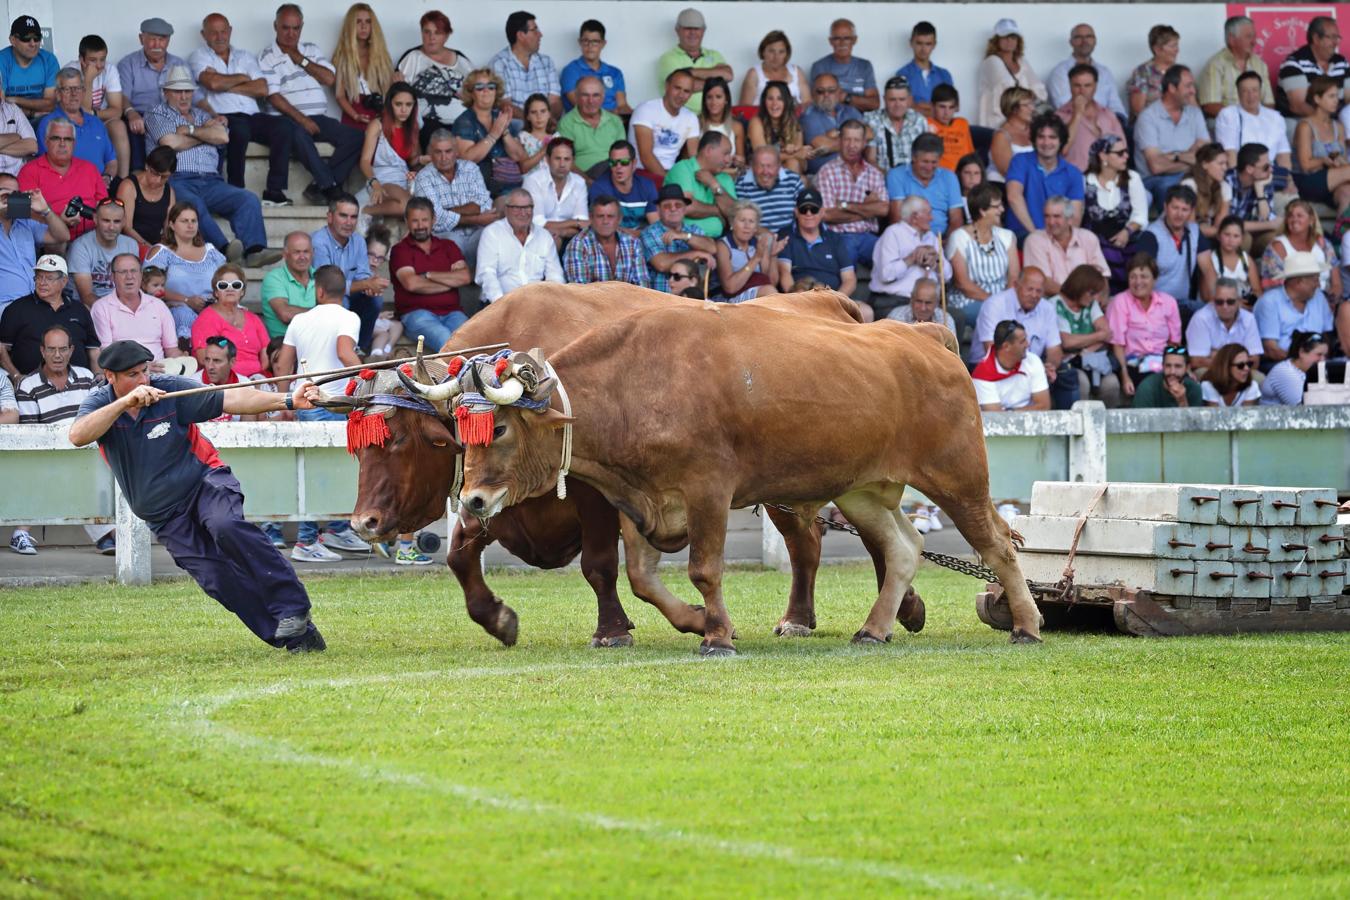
(718, 117)
(339, 244)
(524, 69)
(822, 119)
(28, 71)
(147, 196)
(1115, 204)
(91, 254)
(1220, 322)
(428, 273)
(894, 126)
(53, 393)
(970, 173)
(1286, 381)
(1321, 169)
(636, 196)
(62, 177)
(1168, 132)
(1088, 120)
(143, 73)
(853, 73)
(558, 194)
(1248, 122)
(1085, 336)
(1317, 57)
(483, 133)
(363, 71)
(771, 187)
(437, 74)
(103, 96)
(684, 280)
(517, 250)
(26, 320)
(1300, 231)
(188, 262)
(1143, 321)
(297, 74)
(1083, 41)
(669, 239)
(9, 415)
(1213, 194)
(814, 251)
(326, 337)
(591, 128)
(1145, 86)
(218, 359)
(153, 279)
(536, 131)
(774, 52)
(390, 152)
(908, 252)
(854, 193)
(382, 332)
(1013, 137)
(922, 74)
(1173, 242)
(1228, 379)
(1008, 377)
(689, 53)
(1003, 67)
(1026, 304)
(17, 140)
(923, 307)
(288, 290)
(20, 239)
(92, 143)
(226, 317)
(129, 313)
(936, 185)
(1060, 247)
(1035, 177)
(1227, 259)
(1252, 184)
(1222, 77)
(954, 130)
(604, 253)
(194, 135)
(983, 255)
(704, 180)
(660, 127)
(775, 125)
(1170, 387)
(457, 193)
(590, 65)
(747, 256)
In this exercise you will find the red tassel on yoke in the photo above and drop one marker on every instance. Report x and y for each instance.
(475, 428)
(365, 431)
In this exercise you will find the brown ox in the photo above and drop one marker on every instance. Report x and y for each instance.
(403, 485)
(684, 413)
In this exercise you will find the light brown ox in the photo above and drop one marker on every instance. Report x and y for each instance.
(403, 485)
(684, 413)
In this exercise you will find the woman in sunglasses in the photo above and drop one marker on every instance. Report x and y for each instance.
(483, 132)
(226, 317)
(1228, 382)
(1286, 381)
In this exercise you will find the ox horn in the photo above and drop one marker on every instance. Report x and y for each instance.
(434, 392)
(510, 391)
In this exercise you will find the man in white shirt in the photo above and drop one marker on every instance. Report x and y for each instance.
(1251, 123)
(103, 95)
(1009, 378)
(660, 128)
(514, 251)
(1220, 322)
(559, 194)
(1083, 40)
(1025, 304)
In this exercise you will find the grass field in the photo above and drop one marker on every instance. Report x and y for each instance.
(150, 746)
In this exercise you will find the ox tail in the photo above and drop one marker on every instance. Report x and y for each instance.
(940, 333)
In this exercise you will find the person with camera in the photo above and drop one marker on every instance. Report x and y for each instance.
(71, 185)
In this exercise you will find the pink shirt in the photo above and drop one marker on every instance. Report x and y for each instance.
(1097, 123)
(1140, 332)
(1043, 252)
(249, 342)
(151, 325)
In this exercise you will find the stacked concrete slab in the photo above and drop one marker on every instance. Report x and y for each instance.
(1173, 559)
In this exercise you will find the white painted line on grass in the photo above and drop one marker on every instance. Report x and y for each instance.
(196, 715)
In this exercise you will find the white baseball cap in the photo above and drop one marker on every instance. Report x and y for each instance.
(1005, 27)
(50, 262)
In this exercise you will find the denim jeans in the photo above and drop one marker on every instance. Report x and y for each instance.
(860, 243)
(1064, 391)
(1157, 186)
(309, 531)
(209, 193)
(437, 329)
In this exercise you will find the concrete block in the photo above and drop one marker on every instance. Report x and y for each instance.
(1213, 542)
(1129, 500)
(1328, 578)
(1162, 576)
(1291, 579)
(1327, 542)
(1252, 581)
(1214, 578)
(1317, 506)
(1289, 545)
(1278, 507)
(1115, 537)
(1239, 506)
(1250, 543)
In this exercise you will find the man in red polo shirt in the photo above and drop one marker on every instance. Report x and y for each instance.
(61, 176)
(428, 273)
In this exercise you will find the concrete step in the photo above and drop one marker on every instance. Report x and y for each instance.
(1203, 504)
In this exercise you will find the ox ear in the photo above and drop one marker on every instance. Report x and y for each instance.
(551, 418)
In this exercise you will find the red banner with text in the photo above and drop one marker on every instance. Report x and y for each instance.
(1283, 28)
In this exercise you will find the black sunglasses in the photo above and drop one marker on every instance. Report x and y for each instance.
(1246, 364)
(622, 161)
(808, 210)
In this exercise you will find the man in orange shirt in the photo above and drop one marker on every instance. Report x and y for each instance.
(946, 124)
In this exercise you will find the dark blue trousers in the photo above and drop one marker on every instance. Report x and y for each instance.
(232, 560)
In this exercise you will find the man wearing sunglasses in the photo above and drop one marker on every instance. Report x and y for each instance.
(28, 71)
(815, 251)
(1220, 322)
(636, 196)
(91, 254)
(1171, 388)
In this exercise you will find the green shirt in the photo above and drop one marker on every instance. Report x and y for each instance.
(281, 283)
(675, 58)
(592, 144)
(1150, 394)
(682, 173)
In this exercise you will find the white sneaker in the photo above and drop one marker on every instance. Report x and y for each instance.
(935, 518)
(1009, 511)
(920, 520)
(345, 539)
(23, 544)
(314, 552)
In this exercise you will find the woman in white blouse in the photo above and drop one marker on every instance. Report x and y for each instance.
(1004, 67)
(1228, 381)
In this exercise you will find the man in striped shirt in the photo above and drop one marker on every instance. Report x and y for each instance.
(771, 187)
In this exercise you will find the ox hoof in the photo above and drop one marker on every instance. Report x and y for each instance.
(866, 637)
(506, 627)
(617, 640)
(1020, 636)
(912, 613)
(791, 629)
(708, 650)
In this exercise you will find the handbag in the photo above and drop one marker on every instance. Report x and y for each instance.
(1323, 392)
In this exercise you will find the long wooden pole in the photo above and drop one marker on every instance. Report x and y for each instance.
(313, 376)
(942, 282)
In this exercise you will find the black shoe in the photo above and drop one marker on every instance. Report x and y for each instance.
(314, 194)
(312, 642)
(275, 198)
(332, 193)
(291, 626)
